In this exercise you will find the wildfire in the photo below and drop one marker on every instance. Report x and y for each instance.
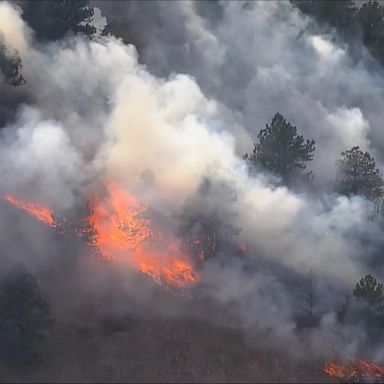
(119, 222)
(357, 370)
(42, 214)
(121, 231)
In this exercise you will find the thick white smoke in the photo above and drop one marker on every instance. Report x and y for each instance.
(271, 62)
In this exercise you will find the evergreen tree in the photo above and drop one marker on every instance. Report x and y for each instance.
(52, 20)
(366, 307)
(24, 317)
(358, 175)
(364, 23)
(282, 151)
(339, 14)
(10, 66)
(369, 290)
(370, 20)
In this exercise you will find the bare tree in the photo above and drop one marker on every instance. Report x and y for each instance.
(310, 297)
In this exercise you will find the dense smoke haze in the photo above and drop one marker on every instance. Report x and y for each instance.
(274, 61)
(166, 102)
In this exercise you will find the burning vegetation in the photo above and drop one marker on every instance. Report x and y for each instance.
(356, 371)
(41, 213)
(124, 231)
(119, 229)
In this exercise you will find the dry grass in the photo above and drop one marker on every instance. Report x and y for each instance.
(163, 351)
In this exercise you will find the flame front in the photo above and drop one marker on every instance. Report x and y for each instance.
(119, 223)
(357, 370)
(42, 214)
(122, 232)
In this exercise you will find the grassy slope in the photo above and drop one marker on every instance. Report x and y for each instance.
(165, 351)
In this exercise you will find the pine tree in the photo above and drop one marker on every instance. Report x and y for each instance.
(339, 14)
(365, 307)
(52, 20)
(282, 151)
(10, 66)
(358, 175)
(24, 317)
(370, 19)
(369, 290)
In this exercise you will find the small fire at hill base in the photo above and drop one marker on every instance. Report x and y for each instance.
(355, 371)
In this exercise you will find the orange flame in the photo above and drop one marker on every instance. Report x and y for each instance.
(356, 370)
(119, 222)
(122, 232)
(40, 213)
